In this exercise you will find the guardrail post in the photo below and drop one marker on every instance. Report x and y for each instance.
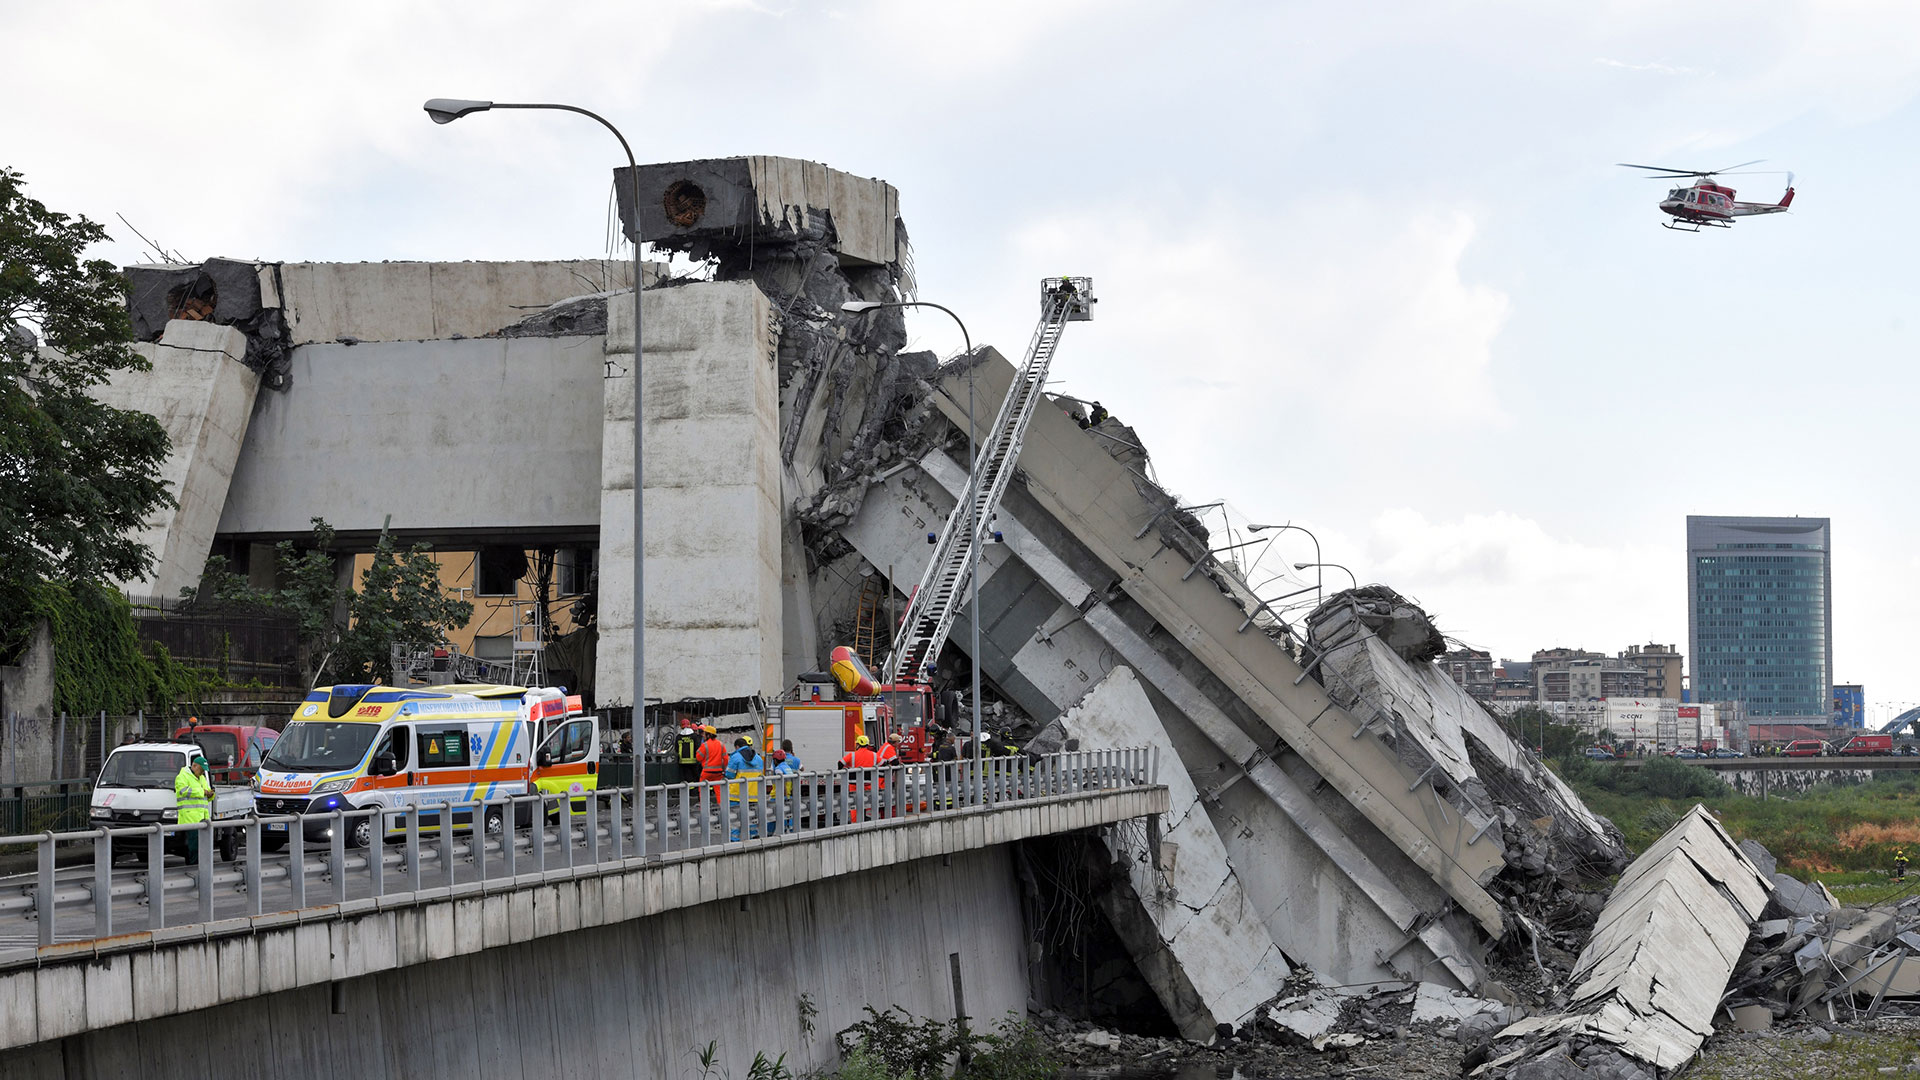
(446, 840)
(414, 883)
(538, 835)
(43, 890)
(156, 878)
(203, 876)
(297, 860)
(613, 819)
(510, 834)
(250, 866)
(337, 854)
(103, 884)
(376, 854)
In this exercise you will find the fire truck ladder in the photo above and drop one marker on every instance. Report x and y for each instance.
(942, 588)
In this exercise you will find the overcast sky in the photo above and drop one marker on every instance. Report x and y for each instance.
(1367, 267)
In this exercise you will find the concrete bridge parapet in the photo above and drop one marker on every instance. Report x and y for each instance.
(68, 988)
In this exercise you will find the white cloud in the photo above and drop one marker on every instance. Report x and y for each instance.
(1503, 582)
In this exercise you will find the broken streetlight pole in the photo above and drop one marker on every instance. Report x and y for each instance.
(1319, 579)
(856, 307)
(446, 111)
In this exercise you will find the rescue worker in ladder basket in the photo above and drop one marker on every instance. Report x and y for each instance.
(712, 756)
(194, 794)
(1899, 863)
(860, 757)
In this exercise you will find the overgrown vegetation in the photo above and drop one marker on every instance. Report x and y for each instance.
(893, 1045)
(1537, 728)
(100, 663)
(1831, 828)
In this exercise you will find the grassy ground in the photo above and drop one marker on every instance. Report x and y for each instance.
(1885, 1047)
(1827, 831)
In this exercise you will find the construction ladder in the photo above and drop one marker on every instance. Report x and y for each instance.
(942, 588)
(866, 634)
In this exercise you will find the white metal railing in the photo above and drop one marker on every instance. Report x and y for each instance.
(522, 839)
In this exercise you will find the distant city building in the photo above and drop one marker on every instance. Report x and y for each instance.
(1849, 705)
(1589, 678)
(1513, 681)
(1472, 669)
(1759, 613)
(1662, 665)
(1654, 722)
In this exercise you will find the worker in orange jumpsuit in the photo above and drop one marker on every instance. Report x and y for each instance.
(860, 757)
(712, 758)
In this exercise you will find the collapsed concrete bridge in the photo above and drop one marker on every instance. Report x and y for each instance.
(1339, 803)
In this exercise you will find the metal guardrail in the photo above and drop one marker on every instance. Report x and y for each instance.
(44, 806)
(550, 832)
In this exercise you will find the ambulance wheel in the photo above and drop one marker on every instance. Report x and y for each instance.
(361, 834)
(495, 823)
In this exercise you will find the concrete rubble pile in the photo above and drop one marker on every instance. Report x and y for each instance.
(1648, 984)
(1813, 957)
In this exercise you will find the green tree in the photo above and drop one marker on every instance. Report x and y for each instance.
(77, 477)
(399, 603)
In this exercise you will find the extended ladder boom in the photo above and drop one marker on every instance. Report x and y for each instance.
(942, 590)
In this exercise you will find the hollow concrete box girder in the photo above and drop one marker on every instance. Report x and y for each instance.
(1097, 499)
(1326, 901)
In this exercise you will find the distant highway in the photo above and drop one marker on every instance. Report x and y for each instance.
(1786, 764)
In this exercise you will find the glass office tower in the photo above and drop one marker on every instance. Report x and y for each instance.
(1759, 613)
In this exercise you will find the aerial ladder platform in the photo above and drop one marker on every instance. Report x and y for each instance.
(943, 588)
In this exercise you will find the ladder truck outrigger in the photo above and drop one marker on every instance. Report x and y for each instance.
(906, 674)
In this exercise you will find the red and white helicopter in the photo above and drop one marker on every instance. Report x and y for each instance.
(1707, 203)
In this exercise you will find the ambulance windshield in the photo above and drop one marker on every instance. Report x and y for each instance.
(320, 746)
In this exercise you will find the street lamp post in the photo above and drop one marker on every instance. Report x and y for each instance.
(857, 307)
(1335, 565)
(1319, 579)
(446, 111)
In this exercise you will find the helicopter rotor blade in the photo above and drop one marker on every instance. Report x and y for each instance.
(1662, 168)
(1742, 165)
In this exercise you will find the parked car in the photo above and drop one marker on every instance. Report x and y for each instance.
(1728, 751)
(135, 787)
(1688, 752)
(1599, 753)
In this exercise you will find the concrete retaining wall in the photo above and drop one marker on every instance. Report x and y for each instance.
(638, 998)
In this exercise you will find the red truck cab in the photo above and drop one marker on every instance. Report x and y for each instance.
(1806, 748)
(233, 750)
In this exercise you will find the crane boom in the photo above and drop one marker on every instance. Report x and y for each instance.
(931, 610)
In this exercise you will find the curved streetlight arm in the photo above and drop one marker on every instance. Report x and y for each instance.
(1319, 579)
(1351, 576)
(859, 307)
(446, 111)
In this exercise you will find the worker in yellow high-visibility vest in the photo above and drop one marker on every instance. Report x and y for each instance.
(193, 792)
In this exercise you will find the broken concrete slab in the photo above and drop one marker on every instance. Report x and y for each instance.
(1192, 933)
(719, 204)
(1651, 978)
(1435, 1002)
(1796, 898)
(1306, 1016)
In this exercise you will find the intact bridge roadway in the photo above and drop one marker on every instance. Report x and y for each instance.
(106, 964)
(1787, 764)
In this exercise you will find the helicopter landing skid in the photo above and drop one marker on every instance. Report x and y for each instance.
(1694, 226)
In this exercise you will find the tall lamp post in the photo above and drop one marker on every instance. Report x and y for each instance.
(858, 307)
(446, 111)
(1319, 579)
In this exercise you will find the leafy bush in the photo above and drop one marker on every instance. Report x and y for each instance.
(892, 1045)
